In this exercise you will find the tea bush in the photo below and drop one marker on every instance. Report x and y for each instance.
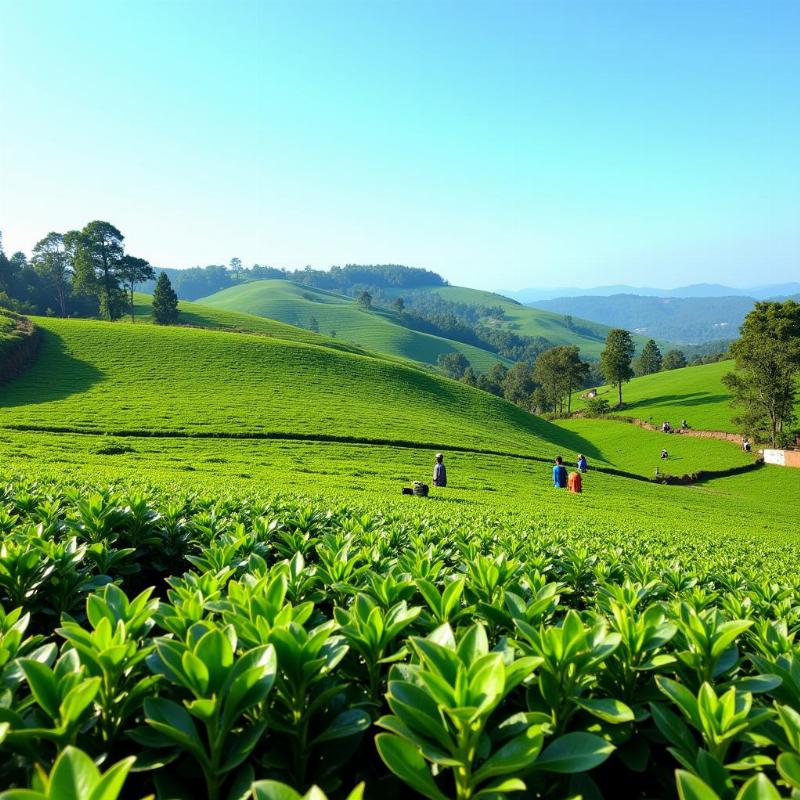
(185, 645)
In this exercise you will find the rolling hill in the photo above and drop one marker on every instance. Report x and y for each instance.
(212, 408)
(527, 321)
(176, 380)
(378, 330)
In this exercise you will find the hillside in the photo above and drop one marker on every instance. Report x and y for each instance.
(527, 321)
(134, 377)
(203, 316)
(696, 394)
(682, 320)
(377, 330)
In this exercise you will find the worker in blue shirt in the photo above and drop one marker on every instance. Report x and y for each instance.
(559, 474)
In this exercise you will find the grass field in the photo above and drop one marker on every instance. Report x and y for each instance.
(637, 450)
(377, 330)
(695, 394)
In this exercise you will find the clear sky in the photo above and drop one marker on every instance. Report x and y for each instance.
(503, 144)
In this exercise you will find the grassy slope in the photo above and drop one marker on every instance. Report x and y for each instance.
(203, 316)
(95, 376)
(91, 375)
(635, 449)
(375, 330)
(590, 337)
(695, 394)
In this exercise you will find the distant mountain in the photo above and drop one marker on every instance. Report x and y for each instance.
(761, 292)
(682, 320)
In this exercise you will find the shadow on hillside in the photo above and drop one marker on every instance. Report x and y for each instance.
(54, 375)
(680, 400)
(568, 441)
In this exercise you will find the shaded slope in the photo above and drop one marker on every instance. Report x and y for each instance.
(378, 330)
(95, 376)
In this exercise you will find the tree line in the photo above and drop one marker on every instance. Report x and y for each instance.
(81, 273)
(351, 279)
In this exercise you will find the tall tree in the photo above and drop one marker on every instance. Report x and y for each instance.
(236, 267)
(560, 372)
(518, 384)
(132, 272)
(649, 360)
(98, 264)
(165, 302)
(615, 360)
(52, 262)
(767, 361)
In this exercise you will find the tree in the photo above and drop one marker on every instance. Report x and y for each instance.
(313, 325)
(399, 305)
(560, 372)
(649, 360)
(674, 359)
(454, 365)
(165, 302)
(364, 299)
(133, 271)
(518, 384)
(52, 263)
(615, 360)
(98, 265)
(492, 381)
(236, 267)
(767, 361)
(470, 377)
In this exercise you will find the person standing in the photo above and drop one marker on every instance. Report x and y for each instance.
(439, 472)
(581, 463)
(559, 474)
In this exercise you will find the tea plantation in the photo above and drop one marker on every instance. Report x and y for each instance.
(379, 330)
(211, 586)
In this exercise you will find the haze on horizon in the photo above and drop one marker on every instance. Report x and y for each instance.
(503, 145)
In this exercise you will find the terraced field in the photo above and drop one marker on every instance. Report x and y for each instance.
(377, 330)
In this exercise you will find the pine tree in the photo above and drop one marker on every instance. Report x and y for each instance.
(649, 360)
(165, 302)
(615, 360)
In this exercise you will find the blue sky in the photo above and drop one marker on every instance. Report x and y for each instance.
(503, 144)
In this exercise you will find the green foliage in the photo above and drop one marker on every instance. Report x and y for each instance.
(674, 359)
(494, 661)
(615, 360)
(649, 360)
(560, 372)
(454, 365)
(165, 302)
(767, 365)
